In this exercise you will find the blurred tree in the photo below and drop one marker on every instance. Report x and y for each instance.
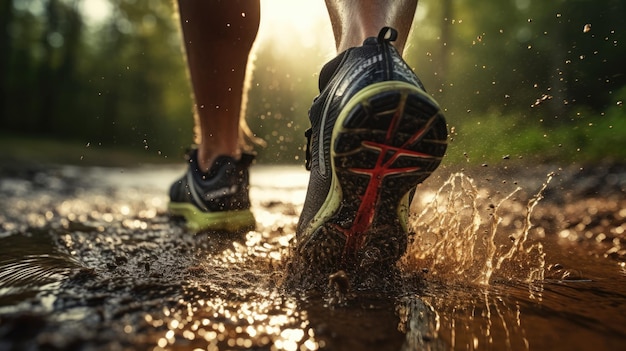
(6, 19)
(533, 56)
(143, 90)
(520, 66)
(60, 43)
(119, 83)
(23, 49)
(122, 82)
(144, 95)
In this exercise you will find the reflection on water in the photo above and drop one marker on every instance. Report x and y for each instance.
(94, 262)
(272, 322)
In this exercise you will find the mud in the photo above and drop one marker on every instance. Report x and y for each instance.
(89, 260)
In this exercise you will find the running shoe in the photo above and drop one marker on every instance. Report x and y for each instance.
(217, 200)
(375, 134)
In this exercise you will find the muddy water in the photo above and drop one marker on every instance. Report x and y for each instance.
(89, 260)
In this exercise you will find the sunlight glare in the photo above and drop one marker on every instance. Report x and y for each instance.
(307, 21)
(96, 11)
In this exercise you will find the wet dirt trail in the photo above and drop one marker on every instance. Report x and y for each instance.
(89, 260)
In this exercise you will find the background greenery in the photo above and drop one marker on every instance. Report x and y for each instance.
(539, 80)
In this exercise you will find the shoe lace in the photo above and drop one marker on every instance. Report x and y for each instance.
(387, 34)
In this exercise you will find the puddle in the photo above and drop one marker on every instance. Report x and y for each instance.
(89, 260)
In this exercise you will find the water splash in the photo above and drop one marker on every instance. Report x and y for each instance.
(463, 237)
(31, 261)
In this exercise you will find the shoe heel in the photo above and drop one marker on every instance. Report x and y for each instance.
(390, 137)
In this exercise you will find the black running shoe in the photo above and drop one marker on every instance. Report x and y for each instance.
(375, 134)
(217, 200)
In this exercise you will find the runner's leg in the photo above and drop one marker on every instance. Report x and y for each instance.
(218, 37)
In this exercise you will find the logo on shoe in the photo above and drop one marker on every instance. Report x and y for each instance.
(208, 196)
(358, 70)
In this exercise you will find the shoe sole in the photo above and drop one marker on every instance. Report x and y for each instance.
(228, 221)
(388, 138)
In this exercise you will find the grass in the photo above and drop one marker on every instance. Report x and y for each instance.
(587, 138)
(28, 149)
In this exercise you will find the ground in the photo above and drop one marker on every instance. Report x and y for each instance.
(90, 260)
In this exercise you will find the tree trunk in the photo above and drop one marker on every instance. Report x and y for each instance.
(6, 18)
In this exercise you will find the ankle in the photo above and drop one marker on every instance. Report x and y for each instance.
(206, 158)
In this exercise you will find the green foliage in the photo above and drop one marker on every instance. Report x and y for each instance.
(120, 83)
(588, 137)
(523, 78)
(602, 134)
